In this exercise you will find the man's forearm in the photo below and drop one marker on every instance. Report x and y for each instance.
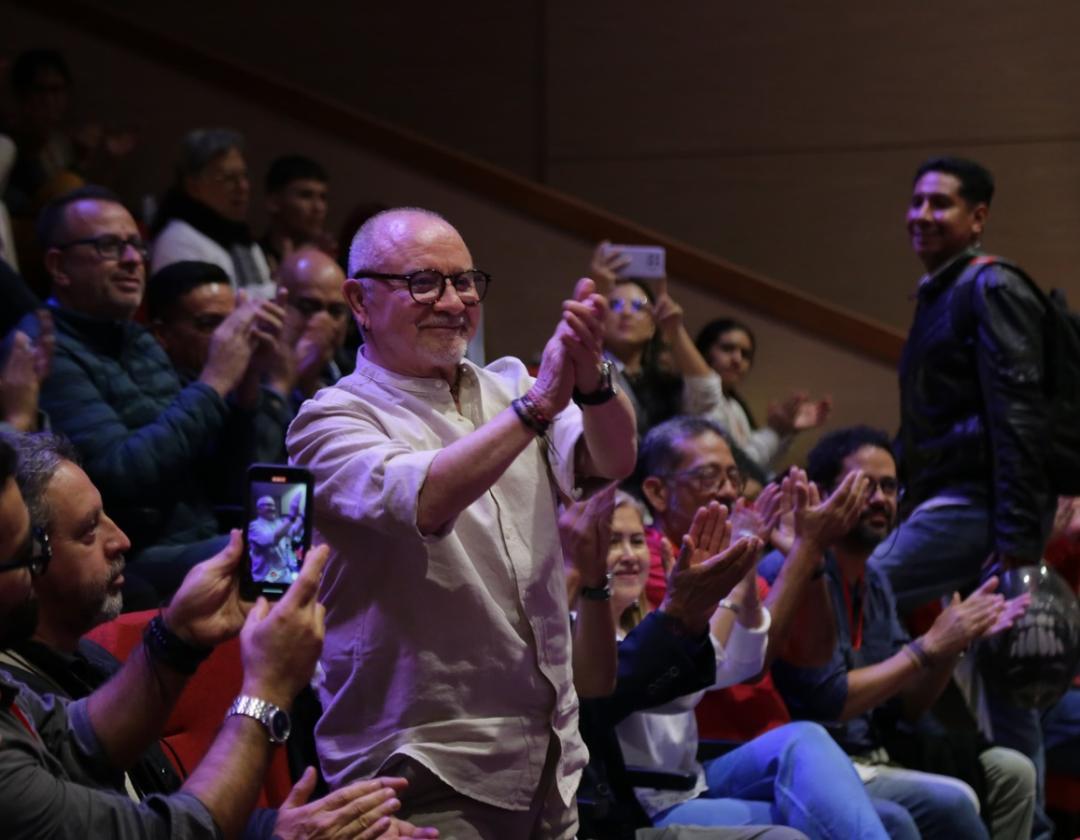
(465, 470)
(228, 779)
(803, 630)
(146, 691)
(610, 438)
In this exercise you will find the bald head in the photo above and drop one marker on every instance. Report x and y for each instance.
(314, 282)
(306, 267)
(394, 234)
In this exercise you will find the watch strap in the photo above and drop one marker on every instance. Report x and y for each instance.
(263, 711)
(604, 392)
(164, 646)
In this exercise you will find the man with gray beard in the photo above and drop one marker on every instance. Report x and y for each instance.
(79, 589)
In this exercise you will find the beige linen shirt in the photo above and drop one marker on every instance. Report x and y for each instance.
(453, 648)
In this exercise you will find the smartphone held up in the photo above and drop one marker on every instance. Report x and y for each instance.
(642, 262)
(277, 532)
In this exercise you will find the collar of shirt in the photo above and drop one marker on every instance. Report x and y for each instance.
(424, 385)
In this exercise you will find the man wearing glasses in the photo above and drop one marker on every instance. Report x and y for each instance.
(316, 319)
(878, 674)
(448, 653)
(154, 446)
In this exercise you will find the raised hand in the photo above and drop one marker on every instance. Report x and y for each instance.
(605, 266)
(823, 523)
(667, 313)
(700, 579)
(27, 364)
(583, 333)
(962, 622)
(585, 533)
(798, 413)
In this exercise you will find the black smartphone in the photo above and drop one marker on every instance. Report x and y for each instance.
(278, 509)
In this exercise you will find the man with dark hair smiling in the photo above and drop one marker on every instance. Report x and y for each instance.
(974, 417)
(975, 420)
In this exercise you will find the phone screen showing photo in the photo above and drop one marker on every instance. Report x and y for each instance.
(276, 531)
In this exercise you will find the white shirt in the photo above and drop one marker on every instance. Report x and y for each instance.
(454, 648)
(763, 446)
(666, 737)
(179, 241)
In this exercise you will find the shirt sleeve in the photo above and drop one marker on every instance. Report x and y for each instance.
(813, 693)
(1010, 360)
(362, 473)
(744, 654)
(48, 786)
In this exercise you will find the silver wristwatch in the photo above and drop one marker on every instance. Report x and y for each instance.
(276, 720)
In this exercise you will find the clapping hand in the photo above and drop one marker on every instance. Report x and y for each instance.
(707, 568)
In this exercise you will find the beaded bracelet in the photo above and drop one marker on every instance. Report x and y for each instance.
(531, 415)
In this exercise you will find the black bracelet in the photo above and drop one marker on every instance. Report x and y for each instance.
(597, 593)
(166, 647)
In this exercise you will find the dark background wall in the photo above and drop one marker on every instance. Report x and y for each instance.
(780, 136)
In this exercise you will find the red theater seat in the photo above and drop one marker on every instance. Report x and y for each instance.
(202, 706)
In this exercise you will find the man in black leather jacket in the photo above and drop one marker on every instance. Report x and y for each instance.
(974, 419)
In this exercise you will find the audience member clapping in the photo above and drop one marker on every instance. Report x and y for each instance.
(675, 649)
(317, 319)
(157, 448)
(729, 348)
(22, 371)
(204, 215)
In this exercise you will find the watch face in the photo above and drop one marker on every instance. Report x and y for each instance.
(280, 725)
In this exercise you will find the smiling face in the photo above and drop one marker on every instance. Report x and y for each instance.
(629, 323)
(878, 515)
(81, 587)
(85, 281)
(628, 558)
(940, 222)
(732, 355)
(409, 338)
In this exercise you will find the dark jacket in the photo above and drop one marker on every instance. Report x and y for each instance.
(974, 417)
(655, 666)
(142, 437)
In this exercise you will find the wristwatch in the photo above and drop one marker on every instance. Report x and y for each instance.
(597, 593)
(604, 391)
(275, 719)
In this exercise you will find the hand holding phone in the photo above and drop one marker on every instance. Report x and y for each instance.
(647, 262)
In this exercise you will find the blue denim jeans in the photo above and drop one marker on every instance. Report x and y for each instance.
(940, 551)
(796, 776)
(940, 807)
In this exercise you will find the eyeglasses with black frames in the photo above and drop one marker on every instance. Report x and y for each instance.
(428, 284)
(34, 554)
(711, 477)
(110, 246)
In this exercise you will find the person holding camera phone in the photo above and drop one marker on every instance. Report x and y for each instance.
(65, 750)
(436, 487)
